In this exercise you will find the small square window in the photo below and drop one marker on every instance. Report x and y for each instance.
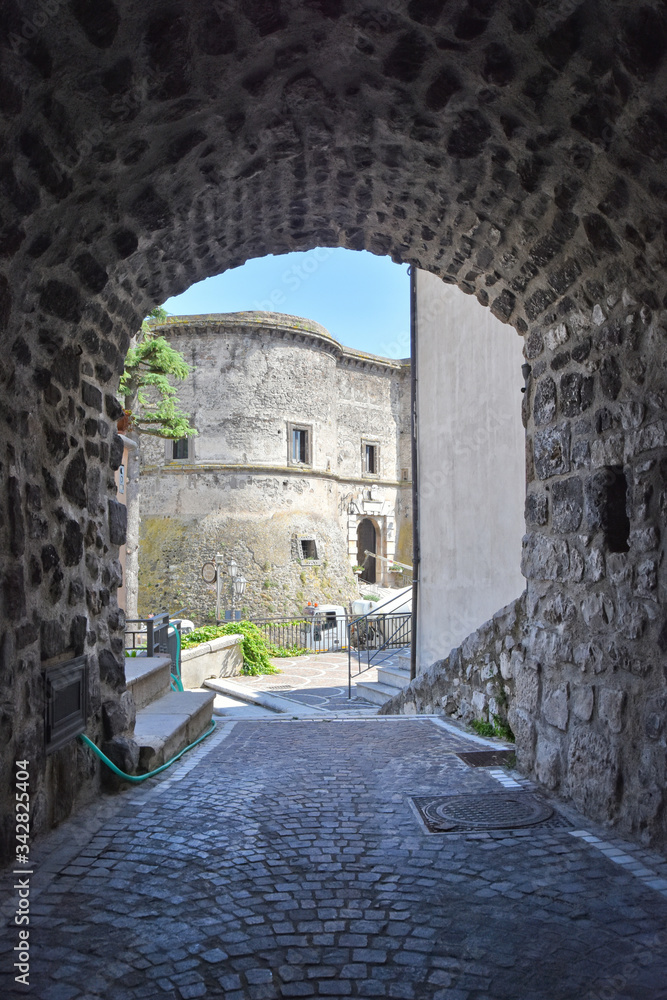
(300, 444)
(180, 449)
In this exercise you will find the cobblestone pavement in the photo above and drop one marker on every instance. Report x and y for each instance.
(285, 859)
(320, 680)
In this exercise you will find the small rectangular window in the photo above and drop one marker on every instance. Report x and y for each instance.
(370, 458)
(308, 548)
(300, 444)
(180, 449)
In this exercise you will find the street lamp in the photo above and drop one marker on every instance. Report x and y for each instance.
(238, 590)
(238, 584)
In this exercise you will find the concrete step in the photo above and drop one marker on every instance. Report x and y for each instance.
(171, 723)
(403, 660)
(397, 677)
(375, 691)
(147, 677)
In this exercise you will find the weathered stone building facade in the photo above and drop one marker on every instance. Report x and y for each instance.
(301, 461)
(515, 149)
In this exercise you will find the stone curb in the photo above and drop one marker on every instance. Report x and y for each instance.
(271, 701)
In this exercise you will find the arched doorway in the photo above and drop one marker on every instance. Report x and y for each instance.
(366, 542)
(168, 169)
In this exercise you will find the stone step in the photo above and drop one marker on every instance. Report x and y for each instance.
(171, 723)
(375, 691)
(394, 676)
(403, 660)
(147, 677)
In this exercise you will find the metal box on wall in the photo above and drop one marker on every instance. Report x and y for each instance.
(65, 702)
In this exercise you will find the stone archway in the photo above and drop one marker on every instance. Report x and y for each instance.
(367, 538)
(515, 150)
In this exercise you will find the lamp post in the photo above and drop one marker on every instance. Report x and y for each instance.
(219, 560)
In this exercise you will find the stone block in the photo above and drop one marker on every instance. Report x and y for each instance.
(593, 773)
(607, 451)
(555, 708)
(576, 393)
(611, 706)
(597, 610)
(544, 406)
(91, 396)
(548, 764)
(583, 701)
(537, 509)
(544, 558)
(527, 690)
(551, 451)
(567, 504)
(117, 522)
(123, 752)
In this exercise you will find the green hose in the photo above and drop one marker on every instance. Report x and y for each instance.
(136, 778)
(176, 682)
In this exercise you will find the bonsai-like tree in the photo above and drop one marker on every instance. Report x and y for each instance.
(151, 402)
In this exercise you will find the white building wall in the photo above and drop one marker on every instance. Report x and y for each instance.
(471, 465)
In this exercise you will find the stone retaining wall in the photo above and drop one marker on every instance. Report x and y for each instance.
(222, 657)
(478, 679)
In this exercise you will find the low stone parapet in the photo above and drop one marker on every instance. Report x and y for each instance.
(221, 657)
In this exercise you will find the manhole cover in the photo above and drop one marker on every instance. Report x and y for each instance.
(489, 811)
(487, 758)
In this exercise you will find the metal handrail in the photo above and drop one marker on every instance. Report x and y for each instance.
(374, 633)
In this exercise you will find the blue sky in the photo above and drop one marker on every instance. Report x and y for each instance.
(362, 300)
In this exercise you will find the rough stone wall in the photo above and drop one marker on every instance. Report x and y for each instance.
(480, 679)
(239, 493)
(516, 149)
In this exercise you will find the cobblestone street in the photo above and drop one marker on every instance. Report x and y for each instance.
(286, 858)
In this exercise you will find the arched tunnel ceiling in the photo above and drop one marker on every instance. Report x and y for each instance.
(514, 148)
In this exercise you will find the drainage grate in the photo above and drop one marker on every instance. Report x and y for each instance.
(280, 687)
(487, 758)
(487, 811)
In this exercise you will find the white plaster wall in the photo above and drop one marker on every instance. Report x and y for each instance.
(471, 465)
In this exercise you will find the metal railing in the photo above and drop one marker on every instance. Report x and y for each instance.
(373, 634)
(324, 632)
(149, 635)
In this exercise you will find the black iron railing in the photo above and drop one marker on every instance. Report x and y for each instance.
(373, 638)
(148, 635)
(321, 632)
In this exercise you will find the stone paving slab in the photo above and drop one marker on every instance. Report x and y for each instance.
(283, 859)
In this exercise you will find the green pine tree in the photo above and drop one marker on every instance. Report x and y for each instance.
(151, 401)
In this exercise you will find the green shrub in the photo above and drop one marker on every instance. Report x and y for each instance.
(253, 648)
(482, 727)
(499, 727)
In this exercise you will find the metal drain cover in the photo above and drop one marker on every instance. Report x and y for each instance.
(487, 758)
(488, 811)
